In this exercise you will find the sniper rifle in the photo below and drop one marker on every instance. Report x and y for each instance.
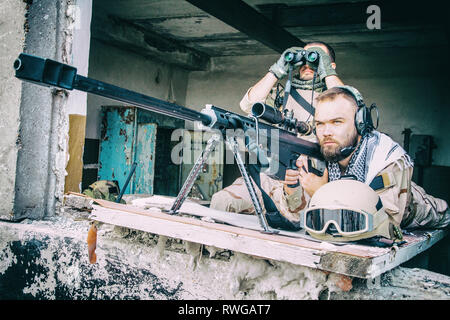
(51, 73)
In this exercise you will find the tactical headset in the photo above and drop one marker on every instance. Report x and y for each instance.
(363, 117)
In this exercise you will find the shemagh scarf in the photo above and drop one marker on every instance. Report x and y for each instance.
(357, 165)
(374, 153)
(319, 86)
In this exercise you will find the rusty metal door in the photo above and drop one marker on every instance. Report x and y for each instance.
(124, 141)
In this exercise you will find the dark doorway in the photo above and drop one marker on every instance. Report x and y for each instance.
(167, 174)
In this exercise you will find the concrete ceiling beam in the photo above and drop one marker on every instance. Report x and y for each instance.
(119, 33)
(244, 18)
(332, 14)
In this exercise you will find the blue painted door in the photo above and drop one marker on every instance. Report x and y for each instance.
(144, 156)
(124, 141)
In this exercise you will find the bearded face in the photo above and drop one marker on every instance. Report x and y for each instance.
(335, 127)
(331, 148)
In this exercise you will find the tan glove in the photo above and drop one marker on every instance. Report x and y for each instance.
(281, 67)
(324, 67)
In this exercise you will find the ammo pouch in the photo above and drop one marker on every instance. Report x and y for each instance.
(104, 189)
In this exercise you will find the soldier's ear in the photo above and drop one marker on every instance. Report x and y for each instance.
(333, 65)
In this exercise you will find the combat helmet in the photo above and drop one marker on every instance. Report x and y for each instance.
(346, 210)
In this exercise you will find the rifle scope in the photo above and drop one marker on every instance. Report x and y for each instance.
(274, 116)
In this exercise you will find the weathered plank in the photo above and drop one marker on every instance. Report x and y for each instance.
(74, 168)
(353, 260)
(197, 232)
(351, 249)
(418, 241)
(144, 155)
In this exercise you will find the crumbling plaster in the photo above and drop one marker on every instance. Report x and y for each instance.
(43, 130)
(12, 32)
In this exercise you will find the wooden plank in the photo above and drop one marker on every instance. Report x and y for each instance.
(207, 236)
(353, 260)
(247, 221)
(324, 258)
(355, 250)
(418, 242)
(77, 128)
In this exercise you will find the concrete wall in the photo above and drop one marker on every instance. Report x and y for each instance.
(408, 85)
(12, 19)
(40, 162)
(134, 72)
(42, 137)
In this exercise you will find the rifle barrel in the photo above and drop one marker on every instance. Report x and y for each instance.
(47, 72)
(140, 100)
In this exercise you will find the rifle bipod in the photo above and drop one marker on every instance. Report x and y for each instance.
(193, 174)
(195, 171)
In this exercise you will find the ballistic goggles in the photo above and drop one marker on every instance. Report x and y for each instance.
(344, 221)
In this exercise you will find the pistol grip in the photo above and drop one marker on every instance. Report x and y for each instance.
(293, 166)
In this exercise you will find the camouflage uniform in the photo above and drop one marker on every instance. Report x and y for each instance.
(408, 205)
(104, 189)
(235, 198)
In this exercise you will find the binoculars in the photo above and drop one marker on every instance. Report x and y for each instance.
(302, 56)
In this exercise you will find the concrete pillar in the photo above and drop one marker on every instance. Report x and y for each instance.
(44, 116)
(12, 30)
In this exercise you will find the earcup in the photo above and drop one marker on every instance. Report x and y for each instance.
(360, 120)
(363, 120)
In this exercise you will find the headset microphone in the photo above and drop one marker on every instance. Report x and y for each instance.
(345, 152)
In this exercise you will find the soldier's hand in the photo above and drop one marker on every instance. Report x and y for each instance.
(325, 67)
(291, 177)
(309, 181)
(281, 67)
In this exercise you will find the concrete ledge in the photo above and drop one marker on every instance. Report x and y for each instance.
(49, 260)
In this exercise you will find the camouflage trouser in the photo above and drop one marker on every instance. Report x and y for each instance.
(425, 211)
(236, 198)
